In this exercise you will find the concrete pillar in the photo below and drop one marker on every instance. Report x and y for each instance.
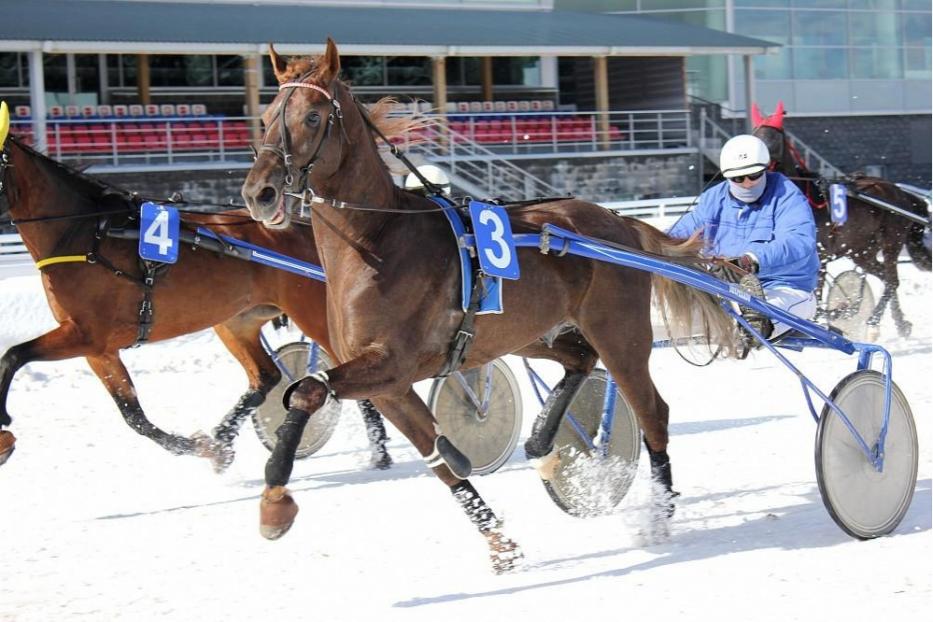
(749, 90)
(143, 79)
(601, 82)
(439, 70)
(72, 76)
(252, 66)
(37, 100)
(104, 90)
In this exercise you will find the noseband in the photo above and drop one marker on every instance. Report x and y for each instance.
(284, 149)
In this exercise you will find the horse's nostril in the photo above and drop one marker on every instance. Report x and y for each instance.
(267, 196)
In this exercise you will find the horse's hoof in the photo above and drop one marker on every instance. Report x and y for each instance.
(219, 453)
(380, 461)
(504, 553)
(277, 512)
(872, 333)
(7, 445)
(547, 465)
(905, 329)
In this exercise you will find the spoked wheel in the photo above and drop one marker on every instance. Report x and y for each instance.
(849, 304)
(866, 503)
(592, 475)
(480, 411)
(294, 359)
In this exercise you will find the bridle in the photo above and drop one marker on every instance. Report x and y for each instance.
(284, 149)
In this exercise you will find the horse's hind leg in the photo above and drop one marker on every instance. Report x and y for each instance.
(112, 373)
(889, 255)
(408, 414)
(376, 434)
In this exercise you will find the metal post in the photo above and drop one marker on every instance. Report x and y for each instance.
(749, 91)
(71, 74)
(103, 79)
(37, 100)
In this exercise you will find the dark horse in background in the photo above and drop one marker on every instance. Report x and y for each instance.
(393, 292)
(868, 231)
(59, 211)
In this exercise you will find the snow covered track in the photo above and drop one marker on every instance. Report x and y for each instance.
(101, 524)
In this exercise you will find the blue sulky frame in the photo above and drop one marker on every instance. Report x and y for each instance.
(553, 237)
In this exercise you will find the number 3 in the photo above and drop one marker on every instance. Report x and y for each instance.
(505, 258)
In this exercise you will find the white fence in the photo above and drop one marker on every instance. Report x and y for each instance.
(15, 260)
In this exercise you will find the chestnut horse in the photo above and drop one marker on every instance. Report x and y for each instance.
(97, 305)
(58, 211)
(868, 230)
(393, 291)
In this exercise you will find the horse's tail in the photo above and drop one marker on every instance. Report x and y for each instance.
(689, 310)
(917, 247)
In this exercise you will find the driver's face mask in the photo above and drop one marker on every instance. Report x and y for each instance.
(748, 192)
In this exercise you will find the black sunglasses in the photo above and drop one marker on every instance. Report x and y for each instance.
(739, 179)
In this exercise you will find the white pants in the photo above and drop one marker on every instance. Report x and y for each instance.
(796, 301)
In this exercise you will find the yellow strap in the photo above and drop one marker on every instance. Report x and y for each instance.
(62, 259)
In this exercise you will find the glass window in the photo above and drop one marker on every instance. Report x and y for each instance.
(819, 28)
(820, 63)
(56, 73)
(364, 70)
(653, 5)
(762, 3)
(408, 70)
(884, 5)
(521, 70)
(707, 77)
(873, 29)
(820, 4)
(714, 18)
(875, 63)
(178, 70)
(918, 64)
(917, 28)
(769, 25)
(774, 66)
(129, 63)
(9, 69)
(229, 70)
(87, 71)
(915, 5)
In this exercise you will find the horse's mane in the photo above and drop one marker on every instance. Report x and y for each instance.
(91, 187)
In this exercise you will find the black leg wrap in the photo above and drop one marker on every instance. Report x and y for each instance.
(445, 453)
(474, 506)
(177, 445)
(229, 426)
(376, 433)
(661, 473)
(541, 441)
(279, 466)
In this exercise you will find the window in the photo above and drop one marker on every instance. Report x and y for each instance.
(229, 70)
(10, 76)
(917, 65)
(769, 25)
(819, 28)
(774, 66)
(408, 70)
(820, 63)
(55, 71)
(874, 29)
(875, 63)
(363, 70)
(916, 28)
(522, 71)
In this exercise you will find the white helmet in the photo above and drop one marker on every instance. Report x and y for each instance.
(742, 155)
(433, 174)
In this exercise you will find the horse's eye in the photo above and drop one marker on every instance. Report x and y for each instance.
(313, 119)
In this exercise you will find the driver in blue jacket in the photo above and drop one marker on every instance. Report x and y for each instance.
(762, 222)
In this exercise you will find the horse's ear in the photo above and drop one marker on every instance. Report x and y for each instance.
(279, 64)
(331, 62)
(778, 115)
(757, 119)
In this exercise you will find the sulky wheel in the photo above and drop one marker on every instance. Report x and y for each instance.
(849, 304)
(293, 360)
(866, 503)
(592, 477)
(487, 436)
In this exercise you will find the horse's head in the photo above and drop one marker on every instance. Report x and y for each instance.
(304, 134)
(770, 130)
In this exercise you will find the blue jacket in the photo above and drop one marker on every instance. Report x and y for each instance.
(778, 230)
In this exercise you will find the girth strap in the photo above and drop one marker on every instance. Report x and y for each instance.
(465, 334)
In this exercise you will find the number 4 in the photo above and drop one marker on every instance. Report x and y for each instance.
(157, 233)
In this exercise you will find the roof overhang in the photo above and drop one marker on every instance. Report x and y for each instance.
(107, 26)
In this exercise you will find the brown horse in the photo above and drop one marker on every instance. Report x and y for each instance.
(59, 211)
(393, 291)
(97, 305)
(868, 230)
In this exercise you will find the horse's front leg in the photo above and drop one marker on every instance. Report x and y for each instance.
(408, 414)
(64, 342)
(115, 378)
